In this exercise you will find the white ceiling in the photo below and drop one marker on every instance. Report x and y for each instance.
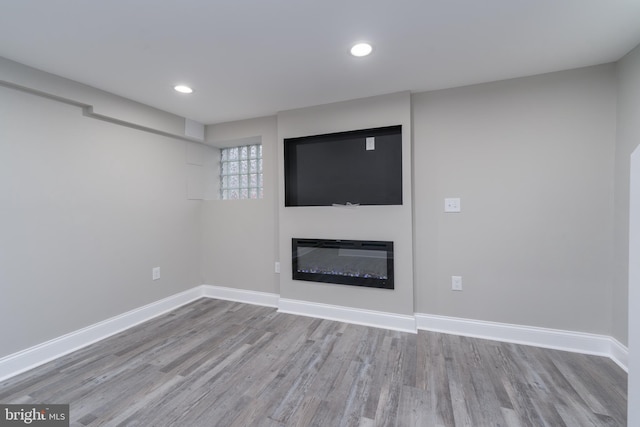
(250, 58)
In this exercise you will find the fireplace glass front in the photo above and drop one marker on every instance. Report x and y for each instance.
(347, 262)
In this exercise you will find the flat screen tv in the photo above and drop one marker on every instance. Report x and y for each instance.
(361, 167)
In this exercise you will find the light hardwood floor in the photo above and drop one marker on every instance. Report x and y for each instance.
(220, 363)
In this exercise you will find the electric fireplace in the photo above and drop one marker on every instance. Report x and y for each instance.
(346, 262)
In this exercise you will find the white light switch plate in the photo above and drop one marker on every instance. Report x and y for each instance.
(155, 273)
(452, 204)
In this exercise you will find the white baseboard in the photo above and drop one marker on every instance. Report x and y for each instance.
(601, 345)
(241, 295)
(619, 354)
(577, 342)
(378, 319)
(24, 360)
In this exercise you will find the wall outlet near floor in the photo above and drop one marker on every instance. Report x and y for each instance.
(277, 267)
(452, 204)
(456, 283)
(155, 273)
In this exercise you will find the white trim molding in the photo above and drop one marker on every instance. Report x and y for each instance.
(577, 342)
(240, 295)
(377, 319)
(37, 355)
(619, 354)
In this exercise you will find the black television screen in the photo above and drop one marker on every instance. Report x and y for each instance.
(358, 167)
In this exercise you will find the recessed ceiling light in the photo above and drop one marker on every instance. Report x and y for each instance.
(361, 49)
(183, 89)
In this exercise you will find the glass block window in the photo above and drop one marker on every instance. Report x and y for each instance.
(241, 172)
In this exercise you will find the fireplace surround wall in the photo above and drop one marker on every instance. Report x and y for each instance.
(380, 223)
(348, 262)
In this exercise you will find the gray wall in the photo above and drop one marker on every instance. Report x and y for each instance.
(532, 160)
(633, 400)
(627, 285)
(633, 405)
(628, 138)
(390, 223)
(87, 208)
(240, 244)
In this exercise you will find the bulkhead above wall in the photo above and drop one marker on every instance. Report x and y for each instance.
(98, 104)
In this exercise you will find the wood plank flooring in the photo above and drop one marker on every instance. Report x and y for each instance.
(220, 363)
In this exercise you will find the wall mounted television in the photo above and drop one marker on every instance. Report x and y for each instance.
(360, 167)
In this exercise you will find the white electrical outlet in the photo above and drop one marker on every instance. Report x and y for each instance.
(277, 267)
(456, 283)
(370, 143)
(452, 204)
(155, 273)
